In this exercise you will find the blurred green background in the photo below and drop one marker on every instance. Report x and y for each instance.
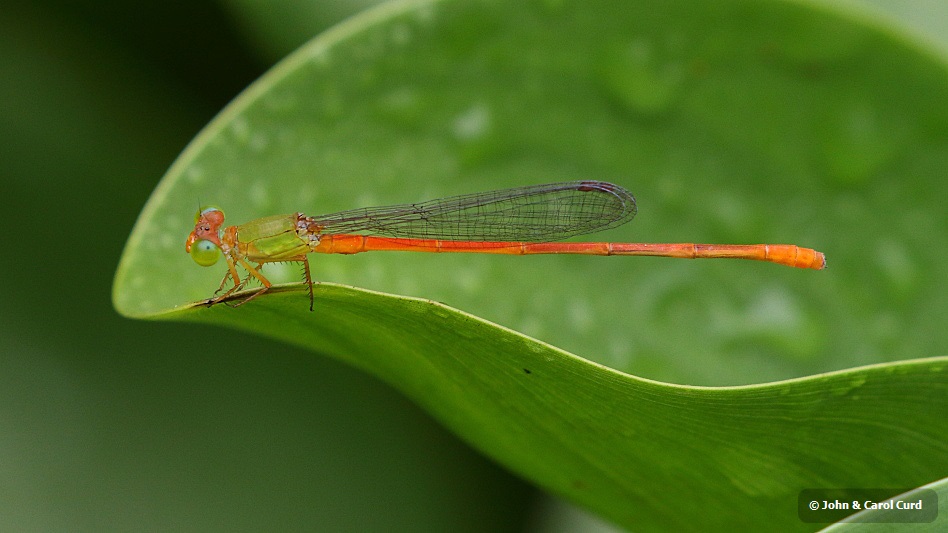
(112, 424)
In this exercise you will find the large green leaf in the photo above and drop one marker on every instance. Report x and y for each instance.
(894, 520)
(732, 121)
(642, 453)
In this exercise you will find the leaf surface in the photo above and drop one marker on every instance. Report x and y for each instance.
(731, 121)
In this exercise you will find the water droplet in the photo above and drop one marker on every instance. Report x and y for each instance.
(401, 34)
(306, 194)
(137, 283)
(469, 280)
(640, 80)
(885, 329)
(258, 142)
(402, 105)
(259, 194)
(842, 388)
(425, 14)
(536, 347)
(143, 304)
(580, 315)
(775, 310)
(240, 129)
(776, 316)
(620, 352)
(166, 241)
(320, 59)
(194, 175)
(405, 284)
(896, 265)
(531, 325)
(473, 123)
(730, 212)
(439, 311)
(856, 144)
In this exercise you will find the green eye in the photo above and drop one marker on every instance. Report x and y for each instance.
(205, 252)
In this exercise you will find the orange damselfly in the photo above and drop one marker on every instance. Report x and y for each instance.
(519, 221)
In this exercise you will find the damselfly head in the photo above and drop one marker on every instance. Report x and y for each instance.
(204, 242)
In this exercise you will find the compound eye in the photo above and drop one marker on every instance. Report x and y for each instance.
(205, 252)
(204, 209)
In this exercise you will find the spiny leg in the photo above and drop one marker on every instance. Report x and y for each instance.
(236, 288)
(244, 282)
(309, 281)
(231, 273)
(255, 272)
(266, 284)
(239, 283)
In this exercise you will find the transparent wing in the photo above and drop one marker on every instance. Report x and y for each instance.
(539, 213)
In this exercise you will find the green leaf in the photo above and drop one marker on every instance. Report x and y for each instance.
(644, 454)
(921, 19)
(886, 520)
(732, 122)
